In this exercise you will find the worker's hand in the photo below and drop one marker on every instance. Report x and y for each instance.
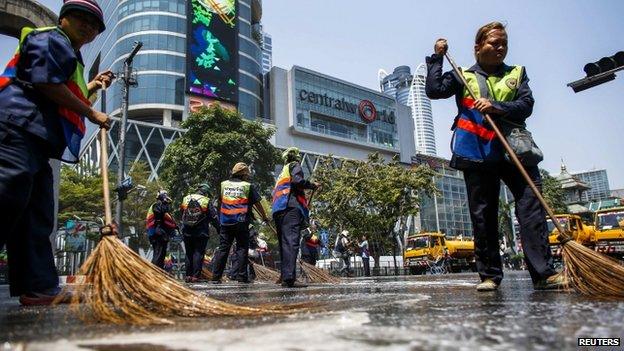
(104, 79)
(484, 105)
(440, 47)
(317, 185)
(99, 118)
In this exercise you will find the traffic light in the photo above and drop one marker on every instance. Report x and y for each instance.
(599, 72)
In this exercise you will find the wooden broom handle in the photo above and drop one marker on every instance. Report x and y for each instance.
(511, 153)
(104, 169)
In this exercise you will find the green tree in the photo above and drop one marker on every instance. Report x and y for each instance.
(215, 140)
(553, 193)
(79, 196)
(370, 197)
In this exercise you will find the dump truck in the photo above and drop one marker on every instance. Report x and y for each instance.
(582, 233)
(421, 249)
(610, 232)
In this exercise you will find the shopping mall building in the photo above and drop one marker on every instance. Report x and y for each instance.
(324, 115)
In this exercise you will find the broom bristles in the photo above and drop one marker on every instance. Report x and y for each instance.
(265, 273)
(317, 275)
(123, 288)
(592, 273)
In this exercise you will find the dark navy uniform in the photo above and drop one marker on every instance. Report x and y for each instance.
(31, 134)
(234, 220)
(290, 216)
(483, 182)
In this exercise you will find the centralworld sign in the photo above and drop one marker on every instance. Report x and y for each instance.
(364, 108)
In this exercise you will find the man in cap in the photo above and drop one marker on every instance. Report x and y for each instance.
(235, 214)
(290, 211)
(197, 215)
(160, 227)
(43, 102)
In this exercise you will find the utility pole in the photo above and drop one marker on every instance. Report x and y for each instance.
(123, 186)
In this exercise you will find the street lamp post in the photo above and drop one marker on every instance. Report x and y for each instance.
(128, 81)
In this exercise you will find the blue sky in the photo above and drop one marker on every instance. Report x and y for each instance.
(352, 39)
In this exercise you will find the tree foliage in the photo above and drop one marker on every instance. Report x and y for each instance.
(553, 193)
(215, 140)
(370, 197)
(80, 196)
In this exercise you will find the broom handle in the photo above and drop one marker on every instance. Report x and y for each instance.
(510, 151)
(104, 168)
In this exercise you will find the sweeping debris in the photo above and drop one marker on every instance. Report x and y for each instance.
(123, 288)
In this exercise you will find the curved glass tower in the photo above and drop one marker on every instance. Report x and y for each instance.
(410, 90)
(158, 103)
(250, 59)
(161, 64)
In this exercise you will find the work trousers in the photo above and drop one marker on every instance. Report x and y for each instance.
(366, 266)
(195, 241)
(288, 223)
(26, 211)
(246, 275)
(227, 235)
(159, 245)
(483, 188)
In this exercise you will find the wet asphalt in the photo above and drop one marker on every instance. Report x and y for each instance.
(442, 312)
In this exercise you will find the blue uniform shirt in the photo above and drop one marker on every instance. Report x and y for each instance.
(444, 85)
(46, 57)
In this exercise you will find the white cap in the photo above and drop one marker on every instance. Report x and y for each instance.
(345, 233)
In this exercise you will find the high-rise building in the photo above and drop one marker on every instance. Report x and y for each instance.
(267, 52)
(599, 183)
(409, 90)
(161, 97)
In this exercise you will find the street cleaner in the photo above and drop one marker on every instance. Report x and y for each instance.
(238, 196)
(290, 212)
(44, 100)
(503, 92)
(197, 215)
(160, 227)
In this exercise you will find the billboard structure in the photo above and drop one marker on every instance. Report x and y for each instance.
(212, 49)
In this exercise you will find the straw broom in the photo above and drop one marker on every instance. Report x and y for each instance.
(265, 273)
(317, 275)
(589, 272)
(123, 288)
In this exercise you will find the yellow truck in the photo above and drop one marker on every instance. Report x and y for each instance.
(423, 249)
(582, 233)
(610, 232)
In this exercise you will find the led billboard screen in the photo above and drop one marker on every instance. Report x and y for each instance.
(212, 49)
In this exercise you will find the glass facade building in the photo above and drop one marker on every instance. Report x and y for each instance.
(599, 183)
(327, 106)
(250, 91)
(160, 68)
(448, 211)
(267, 52)
(409, 90)
(160, 65)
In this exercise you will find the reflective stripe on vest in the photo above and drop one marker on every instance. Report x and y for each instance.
(150, 221)
(472, 138)
(281, 193)
(203, 201)
(72, 123)
(234, 202)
